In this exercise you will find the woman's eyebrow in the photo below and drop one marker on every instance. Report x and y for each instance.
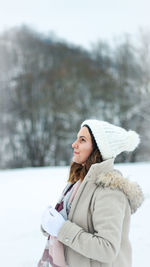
(82, 136)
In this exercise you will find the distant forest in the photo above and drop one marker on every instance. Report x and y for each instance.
(48, 87)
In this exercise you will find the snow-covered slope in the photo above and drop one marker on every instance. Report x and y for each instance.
(24, 194)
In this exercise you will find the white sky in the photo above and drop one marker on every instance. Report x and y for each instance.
(81, 22)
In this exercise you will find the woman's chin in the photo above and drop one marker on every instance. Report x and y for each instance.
(77, 161)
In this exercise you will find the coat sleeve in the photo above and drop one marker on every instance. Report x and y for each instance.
(104, 244)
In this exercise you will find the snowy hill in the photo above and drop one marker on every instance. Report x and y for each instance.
(24, 194)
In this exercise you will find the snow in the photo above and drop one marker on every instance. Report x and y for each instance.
(25, 193)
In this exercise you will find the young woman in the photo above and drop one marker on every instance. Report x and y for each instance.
(90, 224)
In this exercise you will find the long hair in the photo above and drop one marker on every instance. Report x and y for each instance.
(79, 171)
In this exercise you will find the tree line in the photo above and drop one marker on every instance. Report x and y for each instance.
(48, 87)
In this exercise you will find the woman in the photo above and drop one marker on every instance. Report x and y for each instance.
(89, 226)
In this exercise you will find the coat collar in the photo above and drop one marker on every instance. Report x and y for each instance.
(104, 175)
(99, 168)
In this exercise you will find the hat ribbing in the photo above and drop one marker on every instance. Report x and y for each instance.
(112, 140)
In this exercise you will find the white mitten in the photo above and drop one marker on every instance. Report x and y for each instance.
(52, 221)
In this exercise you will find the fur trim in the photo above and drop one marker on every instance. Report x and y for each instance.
(132, 190)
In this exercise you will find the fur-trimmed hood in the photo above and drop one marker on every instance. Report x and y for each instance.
(132, 190)
(106, 176)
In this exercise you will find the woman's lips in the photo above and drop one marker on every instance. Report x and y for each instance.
(76, 152)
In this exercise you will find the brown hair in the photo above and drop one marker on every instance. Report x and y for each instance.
(79, 171)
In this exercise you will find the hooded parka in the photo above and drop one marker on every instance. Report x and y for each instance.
(96, 233)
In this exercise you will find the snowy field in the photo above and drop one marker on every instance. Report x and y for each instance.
(24, 194)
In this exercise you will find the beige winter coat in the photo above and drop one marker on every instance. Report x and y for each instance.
(96, 233)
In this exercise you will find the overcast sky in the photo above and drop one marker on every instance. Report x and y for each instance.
(81, 22)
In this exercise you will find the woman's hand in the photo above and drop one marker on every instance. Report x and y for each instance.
(52, 221)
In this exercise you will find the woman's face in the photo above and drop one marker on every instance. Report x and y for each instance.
(82, 146)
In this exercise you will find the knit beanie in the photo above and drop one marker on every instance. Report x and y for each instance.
(112, 140)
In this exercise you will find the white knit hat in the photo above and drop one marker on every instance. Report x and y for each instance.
(112, 140)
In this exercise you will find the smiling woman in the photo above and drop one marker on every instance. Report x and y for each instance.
(86, 152)
(90, 224)
(82, 146)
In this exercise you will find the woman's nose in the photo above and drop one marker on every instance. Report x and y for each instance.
(74, 144)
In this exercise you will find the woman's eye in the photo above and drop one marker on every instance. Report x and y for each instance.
(82, 139)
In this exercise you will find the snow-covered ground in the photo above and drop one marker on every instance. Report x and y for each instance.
(24, 194)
